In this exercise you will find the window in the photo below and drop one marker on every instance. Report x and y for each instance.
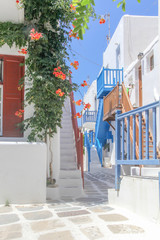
(151, 62)
(11, 99)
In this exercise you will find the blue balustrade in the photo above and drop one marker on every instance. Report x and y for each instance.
(89, 116)
(142, 140)
(107, 80)
(87, 145)
(99, 150)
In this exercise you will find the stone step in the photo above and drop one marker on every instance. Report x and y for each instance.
(65, 134)
(70, 174)
(68, 151)
(71, 191)
(69, 182)
(65, 140)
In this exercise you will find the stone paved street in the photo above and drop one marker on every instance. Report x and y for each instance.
(85, 218)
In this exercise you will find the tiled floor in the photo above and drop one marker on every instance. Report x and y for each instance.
(85, 218)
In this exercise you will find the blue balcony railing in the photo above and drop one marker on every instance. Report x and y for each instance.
(107, 80)
(125, 151)
(89, 116)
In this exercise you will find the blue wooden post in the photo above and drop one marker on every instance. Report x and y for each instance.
(122, 75)
(128, 138)
(89, 157)
(154, 134)
(91, 138)
(134, 137)
(140, 135)
(123, 139)
(147, 133)
(118, 152)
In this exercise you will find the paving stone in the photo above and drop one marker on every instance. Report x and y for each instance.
(10, 232)
(89, 199)
(73, 213)
(113, 217)
(125, 229)
(92, 232)
(68, 209)
(8, 218)
(81, 220)
(46, 225)
(100, 209)
(29, 208)
(5, 209)
(37, 215)
(58, 205)
(65, 235)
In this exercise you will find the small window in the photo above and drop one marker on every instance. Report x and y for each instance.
(1, 70)
(151, 62)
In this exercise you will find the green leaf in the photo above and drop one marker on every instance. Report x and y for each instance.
(76, 29)
(85, 2)
(119, 4)
(80, 34)
(139, 1)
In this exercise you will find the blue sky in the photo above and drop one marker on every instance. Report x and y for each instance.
(89, 51)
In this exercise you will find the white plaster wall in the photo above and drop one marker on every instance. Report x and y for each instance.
(139, 198)
(90, 96)
(133, 34)
(10, 12)
(22, 172)
(139, 32)
(109, 55)
(150, 82)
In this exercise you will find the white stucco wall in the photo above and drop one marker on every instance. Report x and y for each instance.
(91, 96)
(10, 12)
(139, 32)
(139, 198)
(133, 34)
(109, 55)
(22, 172)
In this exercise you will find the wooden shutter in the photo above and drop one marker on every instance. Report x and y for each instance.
(12, 98)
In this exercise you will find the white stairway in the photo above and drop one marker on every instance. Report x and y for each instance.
(70, 181)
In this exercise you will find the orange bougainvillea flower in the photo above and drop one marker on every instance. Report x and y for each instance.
(59, 74)
(75, 64)
(73, 8)
(87, 106)
(35, 35)
(78, 115)
(78, 103)
(102, 20)
(23, 51)
(19, 113)
(17, 1)
(72, 34)
(84, 84)
(59, 93)
(20, 87)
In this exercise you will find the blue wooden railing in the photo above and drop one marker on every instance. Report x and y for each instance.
(107, 80)
(99, 150)
(91, 137)
(88, 146)
(89, 116)
(122, 140)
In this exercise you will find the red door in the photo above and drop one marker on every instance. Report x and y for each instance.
(12, 97)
